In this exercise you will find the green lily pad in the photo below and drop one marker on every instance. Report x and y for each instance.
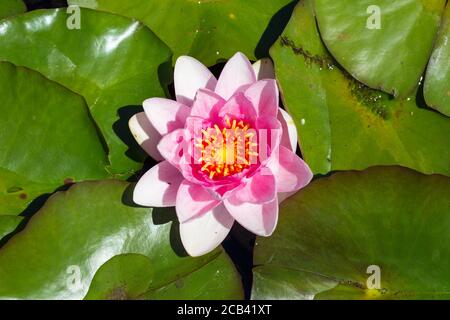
(210, 31)
(378, 41)
(8, 224)
(47, 138)
(345, 125)
(16, 192)
(332, 236)
(11, 7)
(131, 276)
(77, 231)
(437, 81)
(111, 61)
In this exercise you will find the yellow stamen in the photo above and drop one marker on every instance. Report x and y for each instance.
(226, 150)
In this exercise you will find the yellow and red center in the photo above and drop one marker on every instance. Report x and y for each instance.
(227, 150)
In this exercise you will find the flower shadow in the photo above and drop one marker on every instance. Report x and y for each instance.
(121, 129)
(274, 30)
(167, 215)
(160, 216)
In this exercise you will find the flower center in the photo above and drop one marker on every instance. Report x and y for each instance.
(227, 150)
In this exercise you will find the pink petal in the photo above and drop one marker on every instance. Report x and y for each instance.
(289, 138)
(193, 200)
(290, 171)
(189, 76)
(165, 115)
(145, 134)
(264, 69)
(261, 219)
(203, 234)
(173, 146)
(158, 187)
(261, 188)
(237, 72)
(238, 107)
(264, 97)
(205, 102)
(269, 136)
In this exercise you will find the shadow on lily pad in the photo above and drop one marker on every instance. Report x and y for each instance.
(121, 129)
(274, 30)
(44, 4)
(167, 215)
(160, 216)
(31, 210)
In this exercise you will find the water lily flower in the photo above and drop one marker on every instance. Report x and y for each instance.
(227, 151)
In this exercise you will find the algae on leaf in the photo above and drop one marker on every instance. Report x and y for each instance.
(344, 125)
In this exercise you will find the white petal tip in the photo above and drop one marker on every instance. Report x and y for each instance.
(264, 69)
(137, 131)
(203, 234)
(145, 134)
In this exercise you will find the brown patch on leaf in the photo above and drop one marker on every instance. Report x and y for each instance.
(118, 294)
(322, 62)
(68, 181)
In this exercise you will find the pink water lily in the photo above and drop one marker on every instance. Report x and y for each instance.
(227, 151)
